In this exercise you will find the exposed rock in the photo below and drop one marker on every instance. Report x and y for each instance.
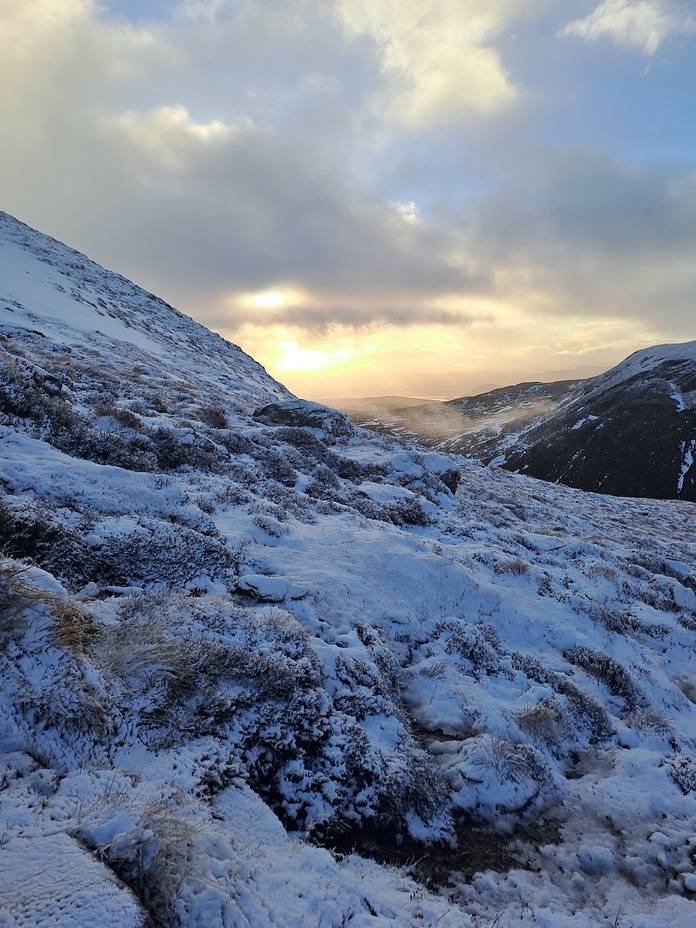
(304, 414)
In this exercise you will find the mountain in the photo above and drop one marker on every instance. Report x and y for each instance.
(54, 295)
(261, 667)
(468, 424)
(628, 432)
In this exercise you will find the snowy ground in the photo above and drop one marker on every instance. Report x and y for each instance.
(272, 670)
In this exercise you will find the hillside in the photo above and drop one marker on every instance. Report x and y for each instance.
(471, 425)
(628, 432)
(259, 667)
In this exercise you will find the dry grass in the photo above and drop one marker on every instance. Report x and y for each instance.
(651, 722)
(71, 628)
(515, 566)
(542, 722)
(510, 763)
(164, 858)
(140, 649)
(155, 857)
(437, 670)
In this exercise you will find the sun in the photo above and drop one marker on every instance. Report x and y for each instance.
(291, 357)
(278, 296)
(270, 299)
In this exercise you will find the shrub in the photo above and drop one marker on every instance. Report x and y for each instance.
(608, 671)
(127, 418)
(31, 531)
(408, 511)
(477, 644)
(167, 553)
(279, 468)
(214, 416)
(543, 723)
(515, 566)
(587, 711)
(325, 484)
(683, 772)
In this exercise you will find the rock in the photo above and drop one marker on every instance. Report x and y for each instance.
(304, 414)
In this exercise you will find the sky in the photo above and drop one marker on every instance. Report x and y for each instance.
(369, 196)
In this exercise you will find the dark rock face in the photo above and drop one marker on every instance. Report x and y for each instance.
(636, 437)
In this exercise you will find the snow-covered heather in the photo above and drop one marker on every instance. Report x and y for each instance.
(261, 668)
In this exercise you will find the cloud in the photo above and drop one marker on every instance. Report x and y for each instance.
(251, 214)
(320, 313)
(199, 206)
(271, 165)
(438, 63)
(642, 25)
(578, 234)
(166, 136)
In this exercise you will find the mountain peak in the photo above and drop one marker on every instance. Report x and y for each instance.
(49, 288)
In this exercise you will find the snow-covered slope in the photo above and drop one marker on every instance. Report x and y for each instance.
(271, 670)
(51, 291)
(629, 432)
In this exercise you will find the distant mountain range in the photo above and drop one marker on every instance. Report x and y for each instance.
(629, 432)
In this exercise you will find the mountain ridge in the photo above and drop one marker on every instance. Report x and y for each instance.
(150, 325)
(630, 431)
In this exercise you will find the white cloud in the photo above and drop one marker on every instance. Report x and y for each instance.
(409, 211)
(166, 135)
(439, 66)
(639, 24)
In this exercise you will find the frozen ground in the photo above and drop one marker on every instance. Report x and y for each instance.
(271, 670)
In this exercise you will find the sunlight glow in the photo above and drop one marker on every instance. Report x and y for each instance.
(290, 357)
(428, 361)
(270, 299)
(274, 298)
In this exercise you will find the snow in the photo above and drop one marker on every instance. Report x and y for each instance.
(384, 493)
(50, 882)
(688, 448)
(642, 362)
(678, 398)
(270, 675)
(62, 295)
(269, 589)
(579, 424)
